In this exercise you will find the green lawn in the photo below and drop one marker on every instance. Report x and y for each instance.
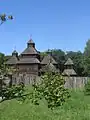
(76, 108)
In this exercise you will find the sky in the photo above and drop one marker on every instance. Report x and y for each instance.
(53, 24)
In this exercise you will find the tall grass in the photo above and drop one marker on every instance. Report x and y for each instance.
(76, 108)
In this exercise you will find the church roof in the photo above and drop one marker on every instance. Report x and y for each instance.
(28, 61)
(30, 50)
(49, 67)
(12, 61)
(69, 72)
(69, 62)
(7, 57)
(47, 59)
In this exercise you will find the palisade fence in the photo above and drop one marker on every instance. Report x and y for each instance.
(76, 82)
(71, 82)
(25, 78)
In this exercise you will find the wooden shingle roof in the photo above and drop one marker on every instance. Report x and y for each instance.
(49, 67)
(69, 72)
(28, 61)
(48, 59)
(29, 50)
(12, 61)
(69, 62)
(7, 57)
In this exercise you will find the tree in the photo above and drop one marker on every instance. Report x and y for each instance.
(4, 18)
(8, 92)
(87, 88)
(51, 88)
(87, 48)
(87, 58)
(2, 58)
(3, 70)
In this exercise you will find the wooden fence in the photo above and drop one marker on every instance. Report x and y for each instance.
(71, 82)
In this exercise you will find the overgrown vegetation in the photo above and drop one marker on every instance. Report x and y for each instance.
(51, 88)
(14, 92)
(76, 108)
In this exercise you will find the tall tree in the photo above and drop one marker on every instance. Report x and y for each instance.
(3, 18)
(2, 58)
(87, 58)
(87, 48)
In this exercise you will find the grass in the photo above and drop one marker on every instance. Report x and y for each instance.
(76, 108)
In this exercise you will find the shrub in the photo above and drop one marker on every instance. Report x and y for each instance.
(16, 91)
(52, 89)
(87, 88)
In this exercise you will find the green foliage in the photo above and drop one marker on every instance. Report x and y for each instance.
(87, 48)
(3, 67)
(2, 59)
(4, 18)
(87, 58)
(6, 72)
(16, 91)
(87, 65)
(52, 89)
(87, 88)
(76, 108)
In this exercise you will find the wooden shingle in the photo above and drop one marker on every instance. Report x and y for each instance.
(47, 59)
(13, 59)
(69, 72)
(69, 62)
(28, 61)
(49, 67)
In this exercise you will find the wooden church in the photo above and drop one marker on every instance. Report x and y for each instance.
(29, 62)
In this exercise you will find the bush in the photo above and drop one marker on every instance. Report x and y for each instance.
(16, 91)
(87, 88)
(52, 89)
